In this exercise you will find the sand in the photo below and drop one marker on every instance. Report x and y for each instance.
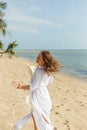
(68, 94)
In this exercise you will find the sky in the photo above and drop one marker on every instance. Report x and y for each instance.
(46, 24)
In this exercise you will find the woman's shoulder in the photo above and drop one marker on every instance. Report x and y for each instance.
(40, 69)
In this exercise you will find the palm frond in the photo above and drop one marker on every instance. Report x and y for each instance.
(1, 13)
(3, 26)
(3, 23)
(3, 5)
(1, 45)
(10, 48)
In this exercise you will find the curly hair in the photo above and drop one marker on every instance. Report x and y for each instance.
(51, 64)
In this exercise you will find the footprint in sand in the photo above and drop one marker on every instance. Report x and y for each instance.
(55, 128)
(62, 104)
(57, 106)
(67, 91)
(82, 105)
(67, 124)
(85, 95)
(68, 109)
(56, 113)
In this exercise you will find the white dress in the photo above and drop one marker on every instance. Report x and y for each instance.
(40, 100)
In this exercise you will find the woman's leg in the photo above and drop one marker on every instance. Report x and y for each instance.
(35, 127)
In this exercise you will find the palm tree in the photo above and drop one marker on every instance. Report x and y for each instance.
(10, 48)
(3, 24)
(1, 45)
(2, 6)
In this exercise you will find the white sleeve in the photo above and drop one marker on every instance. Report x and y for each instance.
(35, 80)
(50, 79)
(40, 78)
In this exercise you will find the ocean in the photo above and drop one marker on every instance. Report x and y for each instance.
(74, 61)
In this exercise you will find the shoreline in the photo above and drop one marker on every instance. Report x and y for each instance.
(74, 76)
(81, 76)
(84, 79)
(62, 72)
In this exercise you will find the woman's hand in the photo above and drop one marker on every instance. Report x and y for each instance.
(15, 84)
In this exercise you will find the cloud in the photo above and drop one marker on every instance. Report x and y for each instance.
(15, 17)
(15, 14)
(20, 28)
(21, 14)
(35, 8)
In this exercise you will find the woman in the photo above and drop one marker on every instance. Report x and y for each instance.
(41, 102)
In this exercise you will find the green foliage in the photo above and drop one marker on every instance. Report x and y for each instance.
(3, 5)
(1, 13)
(1, 45)
(3, 30)
(10, 48)
(3, 24)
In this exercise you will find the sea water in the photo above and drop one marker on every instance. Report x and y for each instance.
(74, 61)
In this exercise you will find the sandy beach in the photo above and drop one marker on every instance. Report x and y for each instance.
(68, 94)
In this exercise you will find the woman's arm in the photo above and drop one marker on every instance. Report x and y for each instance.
(24, 87)
(16, 85)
